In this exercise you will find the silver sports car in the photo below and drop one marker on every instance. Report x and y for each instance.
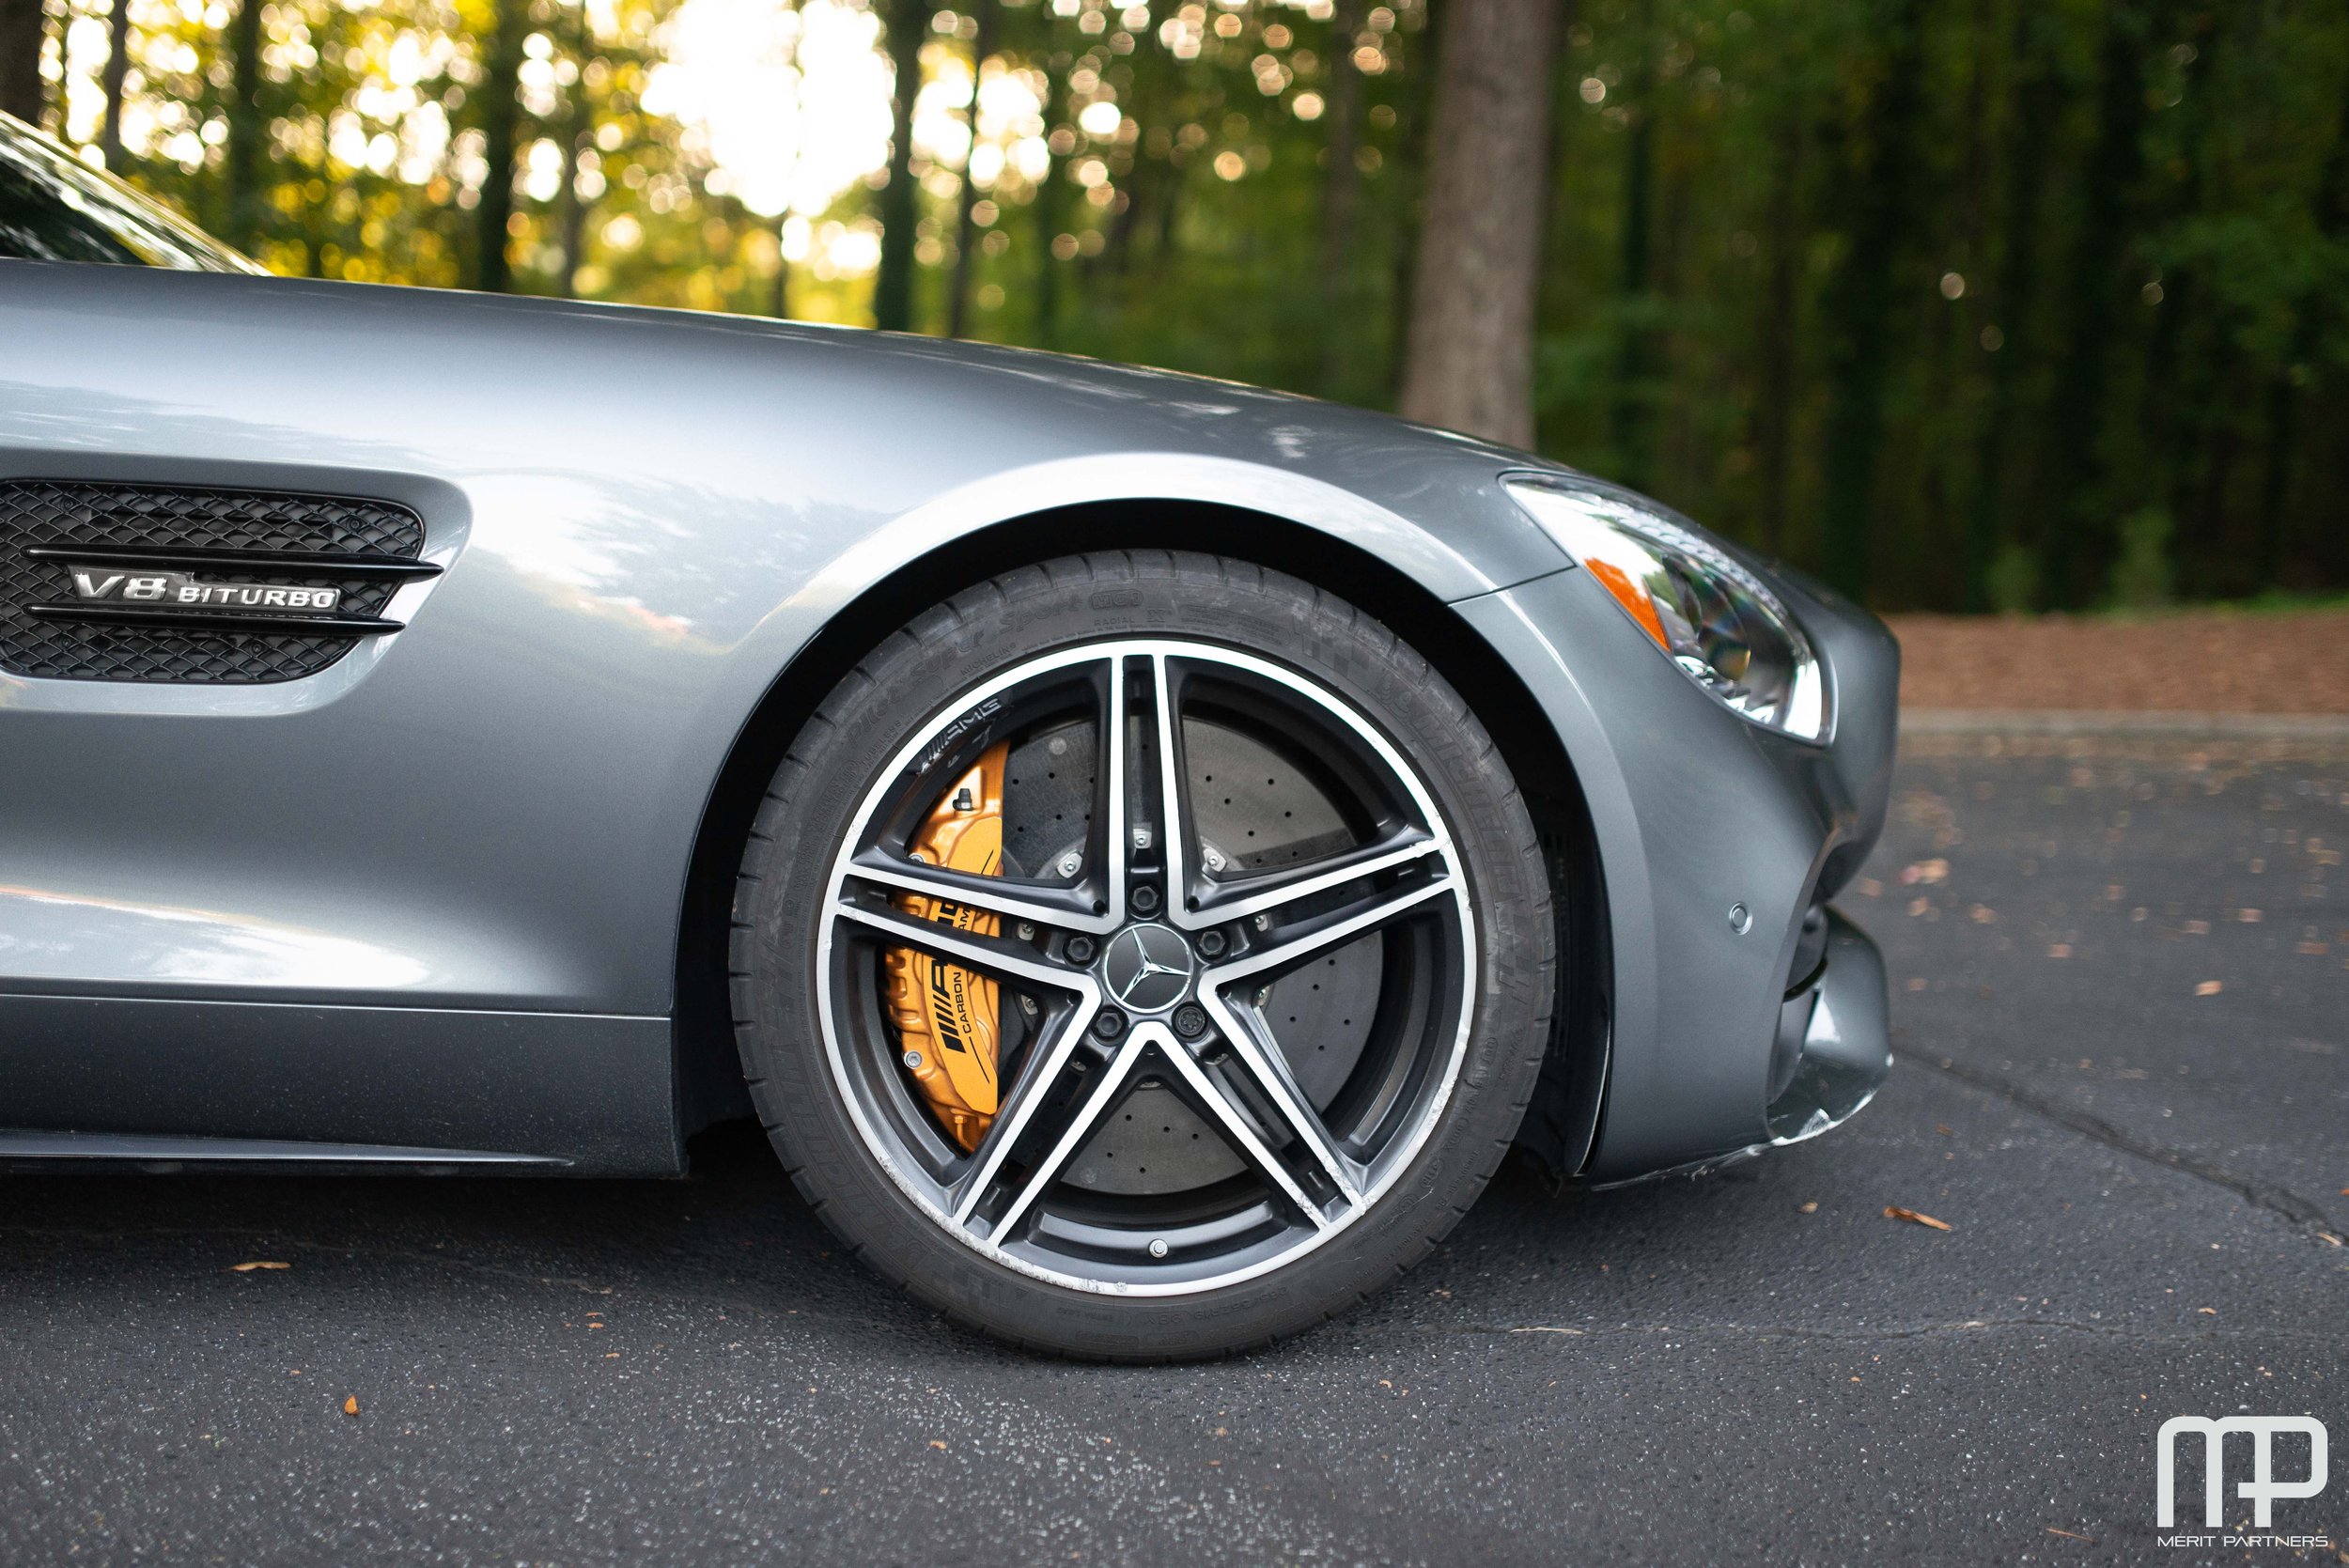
(1146, 848)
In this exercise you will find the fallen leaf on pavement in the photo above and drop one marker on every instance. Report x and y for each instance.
(351, 1405)
(2207, 1312)
(249, 1267)
(1924, 871)
(935, 1444)
(1894, 1211)
(1812, 1207)
(2208, 989)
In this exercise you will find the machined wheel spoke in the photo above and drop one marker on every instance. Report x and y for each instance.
(1284, 946)
(1094, 1102)
(1173, 808)
(1267, 1068)
(1239, 1127)
(1109, 837)
(1008, 901)
(1001, 957)
(1044, 1064)
(1270, 891)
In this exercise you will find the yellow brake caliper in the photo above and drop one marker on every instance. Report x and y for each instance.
(946, 1017)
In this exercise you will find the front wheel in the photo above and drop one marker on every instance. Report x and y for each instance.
(1142, 956)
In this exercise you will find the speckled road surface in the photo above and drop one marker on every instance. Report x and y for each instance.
(2141, 1181)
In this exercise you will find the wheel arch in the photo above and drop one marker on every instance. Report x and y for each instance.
(1560, 1127)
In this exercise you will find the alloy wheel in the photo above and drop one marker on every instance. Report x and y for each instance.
(1231, 1011)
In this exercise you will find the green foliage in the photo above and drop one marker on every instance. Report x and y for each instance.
(2014, 579)
(2143, 576)
(1993, 303)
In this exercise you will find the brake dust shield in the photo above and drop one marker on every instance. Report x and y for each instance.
(947, 1017)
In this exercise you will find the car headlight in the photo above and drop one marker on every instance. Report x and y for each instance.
(1710, 616)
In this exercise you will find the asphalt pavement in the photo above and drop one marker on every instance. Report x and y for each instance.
(2122, 1009)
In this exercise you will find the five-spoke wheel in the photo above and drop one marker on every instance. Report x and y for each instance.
(1148, 963)
(1145, 968)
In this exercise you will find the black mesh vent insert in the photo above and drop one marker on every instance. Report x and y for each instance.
(52, 512)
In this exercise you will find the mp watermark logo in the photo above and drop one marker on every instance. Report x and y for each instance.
(2262, 1491)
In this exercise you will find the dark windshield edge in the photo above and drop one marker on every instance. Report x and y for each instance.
(54, 207)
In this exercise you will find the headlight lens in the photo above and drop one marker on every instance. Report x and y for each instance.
(1715, 619)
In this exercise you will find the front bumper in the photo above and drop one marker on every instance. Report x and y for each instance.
(1842, 1031)
(1724, 1035)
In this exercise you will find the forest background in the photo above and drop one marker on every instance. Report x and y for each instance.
(1983, 305)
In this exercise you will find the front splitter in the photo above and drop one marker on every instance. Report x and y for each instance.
(1844, 1017)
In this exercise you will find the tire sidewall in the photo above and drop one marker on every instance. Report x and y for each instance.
(958, 646)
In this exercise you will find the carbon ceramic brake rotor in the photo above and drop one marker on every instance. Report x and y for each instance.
(1030, 805)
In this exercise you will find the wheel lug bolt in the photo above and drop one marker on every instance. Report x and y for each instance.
(1190, 1020)
(1080, 950)
(1158, 1246)
(1211, 944)
(1145, 900)
(1109, 1024)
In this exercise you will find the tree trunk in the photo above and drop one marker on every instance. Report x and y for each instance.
(248, 127)
(501, 132)
(2208, 519)
(118, 67)
(2290, 384)
(579, 135)
(1341, 191)
(2013, 293)
(1859, 304)
(1469, 360)
(1049, 206)
(966, 226)
(1774, 410)
(1407, 173)
(2079, 527)
(1928, 564)
(574, 210)
(23, 29)
(2176, 383)
(780, 300)
(1143, 190)
(1628, 419)
(906, 21)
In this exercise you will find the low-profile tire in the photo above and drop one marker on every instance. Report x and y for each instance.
(1305, 1157)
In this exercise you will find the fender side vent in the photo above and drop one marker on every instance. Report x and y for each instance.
(50, 530)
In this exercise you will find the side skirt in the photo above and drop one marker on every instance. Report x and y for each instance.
(257, 1083)
(166, 1156)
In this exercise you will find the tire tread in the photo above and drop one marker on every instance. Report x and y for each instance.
(999, 604)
